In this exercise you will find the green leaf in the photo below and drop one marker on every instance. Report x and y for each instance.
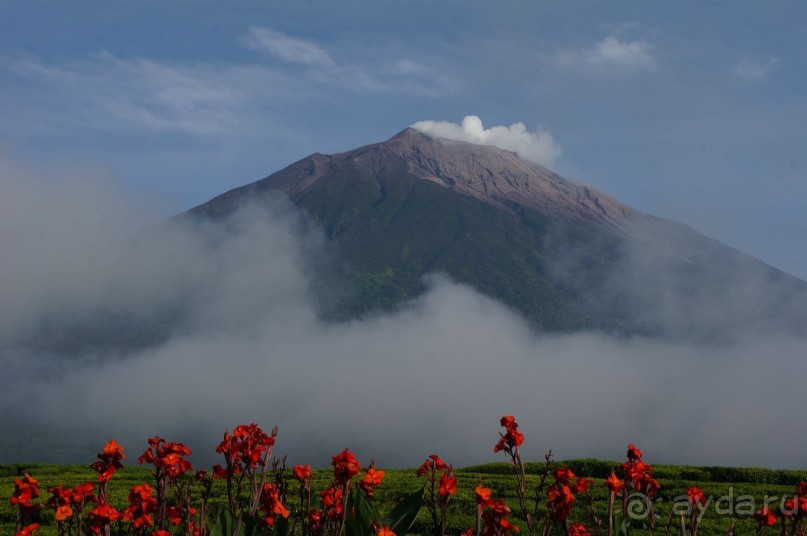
(223, 525)
(360, 515)
(402, 517)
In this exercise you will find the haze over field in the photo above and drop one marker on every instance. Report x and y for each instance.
(433, 376)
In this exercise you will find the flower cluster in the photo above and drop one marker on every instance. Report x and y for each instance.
(167, 458)
(372, 478)
(271, 504)
(247, 447)
(26, 489)
(511, 438)
(142, 504)
(345, 467)
(493, 514)
(560, 495)
(638, 474)
(110, 459)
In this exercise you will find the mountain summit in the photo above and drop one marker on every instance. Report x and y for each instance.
(562, 253)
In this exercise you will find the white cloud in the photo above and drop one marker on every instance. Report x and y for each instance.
(755, 69)
(286, 47)
(610, 53)
(537, 147)
(105, 91)
(402, 75)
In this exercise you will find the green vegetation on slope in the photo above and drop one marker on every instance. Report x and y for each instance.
(714, 481)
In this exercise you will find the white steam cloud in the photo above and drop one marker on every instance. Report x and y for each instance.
(434, 376)
(536, 147)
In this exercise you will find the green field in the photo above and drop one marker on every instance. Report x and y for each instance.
(715, 481)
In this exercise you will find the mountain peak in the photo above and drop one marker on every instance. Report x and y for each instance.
(484, 172)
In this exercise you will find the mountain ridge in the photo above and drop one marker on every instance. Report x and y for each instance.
(554, 249)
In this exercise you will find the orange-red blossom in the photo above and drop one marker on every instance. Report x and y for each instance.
(372, 478)
(110, 460)
(271, 504)
(512, 438)
(764, 516)
(345, 466)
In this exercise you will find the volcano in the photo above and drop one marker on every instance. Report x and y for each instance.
(566, 256)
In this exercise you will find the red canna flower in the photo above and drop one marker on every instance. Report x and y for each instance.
(578, 529)
(332, 501)
(102, 516)
(581, 485)
(695, 496)
(385, 531)
(512, 438)
(302, 472)
(801, 489)
(371, 479)
(28, 530)
(25, 490)
(432, 463)
(345, 467)
(764, 516)
(271, 504)
(564, 475)
(482, 496)
(614, 484)
(314, 520)
(142, 505)
(634, 453)
(560, 501)
(494, 517)
(448, 484)
(110, 460)
(161, 532)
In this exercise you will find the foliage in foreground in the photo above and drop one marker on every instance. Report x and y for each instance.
(253, 493)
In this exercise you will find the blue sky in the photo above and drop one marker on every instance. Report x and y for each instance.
(692, 110)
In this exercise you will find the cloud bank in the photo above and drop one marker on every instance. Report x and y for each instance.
(432, 376)
(536, 147)
(610, 54)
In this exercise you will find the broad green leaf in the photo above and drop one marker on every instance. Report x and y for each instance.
(403, 516)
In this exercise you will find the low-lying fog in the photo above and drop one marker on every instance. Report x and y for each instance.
(432, 377)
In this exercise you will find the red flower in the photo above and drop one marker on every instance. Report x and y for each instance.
(314, 520)
(560, 501)
(564, 475)
(272, 505)
(448, 484)
(581, 485)
(345, 466)
(142, 504)
(508, 421)
(102, 516)
(25, 489)
(371, 479)
(302, 472)
(28, 530)
(482, 496)
(578, 529)
(614, 484)
(695, 496)
(765, 516)
(385, 531)
(512, 438)
(332, 501)
(111, 458)
(432, 463)
(494, 517)
(801, 489)
(634, 453)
